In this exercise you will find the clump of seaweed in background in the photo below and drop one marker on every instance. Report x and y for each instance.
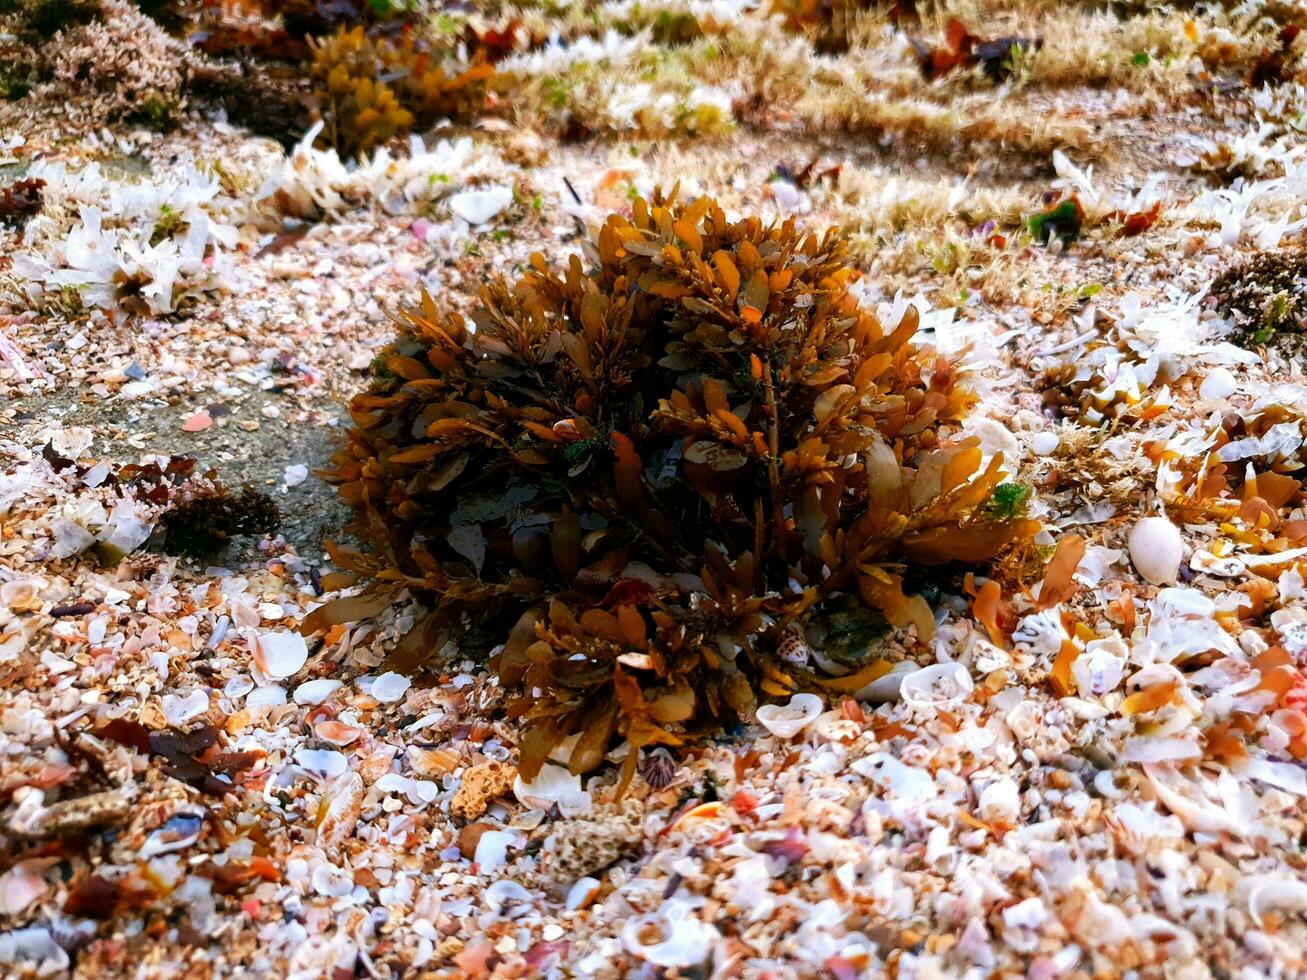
(204, 520)
(1265, 294)
(373, 90)
(650, 468)
(21, 200)
(997, 57)
(830, 23)
(41, 20)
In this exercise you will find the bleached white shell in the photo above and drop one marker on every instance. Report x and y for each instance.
(682, 939)
(478, 207)
(1156, 550)
(280, 654)
(1101, 667)
(21, 594)
(788, 720)
(1000, 800)
(390, 687)
(939, 687)
(316, 691)
(266, 697)
(178, 710)
(553, 784)
(73, 441)
(331, 881)
(1181, 797)
(324, 762)
(1218, 384)
(1044, 443)
(582, 893)
(504, 891)
(492, 849)
(995, 439)
(177, 833)
(1272, 893)
(888, 688)
(19, 888)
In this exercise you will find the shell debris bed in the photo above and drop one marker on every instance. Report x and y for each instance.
(1096, 767)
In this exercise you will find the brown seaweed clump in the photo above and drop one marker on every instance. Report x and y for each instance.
(644, 469)
(370, 90)
(20, 201)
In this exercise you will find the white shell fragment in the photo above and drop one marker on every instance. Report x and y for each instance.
(178, 710)
(504, 891)
(324, 762)
(1275, 893)
(1156, 550)
(316, 691)
(788, 720)
(1000, 800)
(280, 654)
(582, 893)
(939, 687)
(178, 832)
(492, 848)
(479, 206)
(996, 439)
(390, 687)
(552, 784)
(19, 888)
(22, 595)
(1218, 385)
(331, 881)
(889, 688)
(1045, 443)
(1100, 669)
(671, 937)
(265, 697)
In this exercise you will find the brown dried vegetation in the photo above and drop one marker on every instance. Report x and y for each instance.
(371, 90)
(653, 462)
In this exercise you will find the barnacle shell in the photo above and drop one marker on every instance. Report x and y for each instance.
(939, 687)
(1156, 550)
(658, 769)
(22, 595)
(788, 720)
